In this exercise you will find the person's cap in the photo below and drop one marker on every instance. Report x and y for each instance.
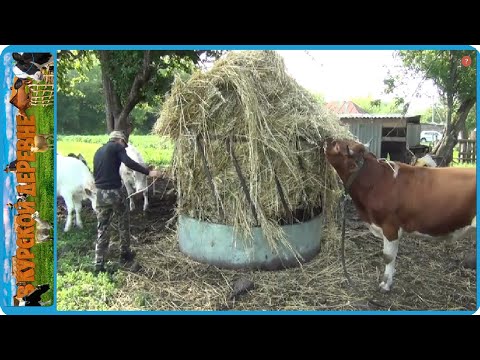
(118, 135)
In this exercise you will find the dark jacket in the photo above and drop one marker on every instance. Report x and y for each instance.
(106, 165)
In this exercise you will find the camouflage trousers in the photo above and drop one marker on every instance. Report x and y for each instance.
(111, 204)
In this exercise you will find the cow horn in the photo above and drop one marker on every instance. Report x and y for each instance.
(349, 151)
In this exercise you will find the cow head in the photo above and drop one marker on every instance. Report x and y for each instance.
(425, 161)
(79, 157)
(28, 71)
(346, 156)
(35, 215)
(30, 64)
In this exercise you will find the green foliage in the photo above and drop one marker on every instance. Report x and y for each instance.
(319, 97)
(144, 117)
(82, 111)
(72, 68)
(471, 121)
(439, 115)
(123, 66)
(80, 290)
(376, 106)
(435, 65)
(81, 102)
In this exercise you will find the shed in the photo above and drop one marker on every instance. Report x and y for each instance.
(389, 135)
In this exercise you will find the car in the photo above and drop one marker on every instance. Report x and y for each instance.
(430, 136)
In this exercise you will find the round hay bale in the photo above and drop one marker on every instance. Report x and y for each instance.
(249, 146)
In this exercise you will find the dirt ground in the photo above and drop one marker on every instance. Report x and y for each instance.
(429, 275)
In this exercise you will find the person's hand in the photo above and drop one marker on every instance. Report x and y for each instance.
(154, 173)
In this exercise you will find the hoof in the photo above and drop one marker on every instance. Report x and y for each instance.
(384, 287)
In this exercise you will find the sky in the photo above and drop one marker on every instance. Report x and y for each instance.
(7, 154)
(340, 75)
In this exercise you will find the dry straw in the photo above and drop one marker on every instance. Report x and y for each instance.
(247, 111)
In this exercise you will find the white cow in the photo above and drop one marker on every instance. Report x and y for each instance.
(42, 231)
(74, 184)
(426, 161)
(133, 180)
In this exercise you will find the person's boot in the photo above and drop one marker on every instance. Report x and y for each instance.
(128, 262)
(99, 268)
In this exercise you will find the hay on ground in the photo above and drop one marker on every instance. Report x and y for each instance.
(276, 130)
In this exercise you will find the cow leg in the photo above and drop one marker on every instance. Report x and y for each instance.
(69, 203)
(130, 191)
(390, 249)
(78, 211)
(141, 182)
(145, 200)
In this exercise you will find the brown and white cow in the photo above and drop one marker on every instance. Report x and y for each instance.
(392, 197)
(40, 143)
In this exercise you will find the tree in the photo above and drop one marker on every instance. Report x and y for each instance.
(133, 77)
(439, 115)
(319, 98)
(376, 106)
(456, 85)
(81, 109)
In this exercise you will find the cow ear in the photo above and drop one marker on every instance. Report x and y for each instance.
(336, 147)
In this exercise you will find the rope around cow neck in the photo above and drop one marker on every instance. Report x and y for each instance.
(142, 190)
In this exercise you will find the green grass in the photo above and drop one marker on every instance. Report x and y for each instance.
(44, 259)
(154, 149)
(78, 288)
(455, 162)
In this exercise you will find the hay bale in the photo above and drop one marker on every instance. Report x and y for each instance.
(276, 129)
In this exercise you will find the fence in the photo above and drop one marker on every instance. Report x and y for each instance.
(467, 151)
(42, 92)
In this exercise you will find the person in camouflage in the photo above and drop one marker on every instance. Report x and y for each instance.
(111, 200)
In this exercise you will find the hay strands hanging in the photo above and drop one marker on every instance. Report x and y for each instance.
(221, 211)
(229, 142)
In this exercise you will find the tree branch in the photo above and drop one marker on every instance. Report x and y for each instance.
(142, 77)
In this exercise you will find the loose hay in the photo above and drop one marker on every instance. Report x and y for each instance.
(428, 273)
(276, 129)
(429, 279)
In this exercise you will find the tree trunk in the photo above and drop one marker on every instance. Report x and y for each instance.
(450, 90)
(445, 147)
(113, 105)
(118, 114)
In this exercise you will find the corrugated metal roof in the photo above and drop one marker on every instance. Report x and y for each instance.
(377, 116)
(345, 107)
